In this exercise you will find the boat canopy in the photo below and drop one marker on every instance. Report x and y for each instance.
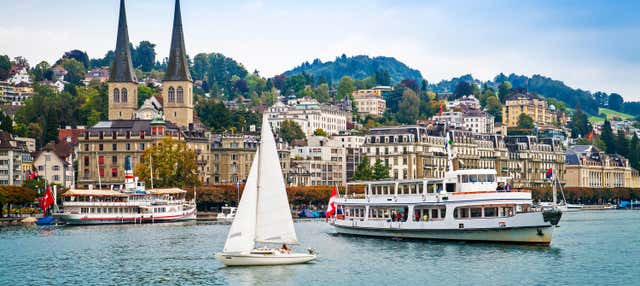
(95, 193)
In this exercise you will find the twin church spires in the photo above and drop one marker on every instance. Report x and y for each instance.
(177, 85)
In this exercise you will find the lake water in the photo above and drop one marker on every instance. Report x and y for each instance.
(591, 247)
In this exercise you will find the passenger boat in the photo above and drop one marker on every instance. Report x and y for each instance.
(264, 215)
(131, 203)
(227, 213)
(465, 205)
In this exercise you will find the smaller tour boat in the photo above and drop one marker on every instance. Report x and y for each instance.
(227, 213)
(263, 214)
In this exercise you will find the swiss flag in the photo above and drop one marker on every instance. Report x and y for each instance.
(47, 200)
(331, 207)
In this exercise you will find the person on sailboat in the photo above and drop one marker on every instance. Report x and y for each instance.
(285, 249)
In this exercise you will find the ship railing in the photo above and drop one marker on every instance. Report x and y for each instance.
(115, 204)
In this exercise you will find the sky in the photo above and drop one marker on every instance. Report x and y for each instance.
(592, 45)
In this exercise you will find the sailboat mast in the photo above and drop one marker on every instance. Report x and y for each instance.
(555, 191)
(259, 153)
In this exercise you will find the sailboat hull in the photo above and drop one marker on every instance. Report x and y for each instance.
(263, 259)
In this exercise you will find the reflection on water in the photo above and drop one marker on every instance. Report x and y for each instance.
(588, 247)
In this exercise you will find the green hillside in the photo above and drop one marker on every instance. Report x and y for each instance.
(357, 67)
(610, 115)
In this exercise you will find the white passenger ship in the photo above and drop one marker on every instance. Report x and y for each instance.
(130, 203)
(465, 205)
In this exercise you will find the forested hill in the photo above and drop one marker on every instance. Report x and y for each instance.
(542, 85)
(357, 67)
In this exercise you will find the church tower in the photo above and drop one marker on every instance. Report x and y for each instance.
(177, 86)
(123, 85)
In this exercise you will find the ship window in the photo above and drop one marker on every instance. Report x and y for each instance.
(490, 212)
(476, 212)
(434, 213)
(473, 178)
(464, 178)
(507, 211)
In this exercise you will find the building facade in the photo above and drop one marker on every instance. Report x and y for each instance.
(232, 156)
(369, 102)
(310, 115)
(588, 167)
(529, 104)
(12, 155)
(55, 164)
(317, 166)
(413, 152)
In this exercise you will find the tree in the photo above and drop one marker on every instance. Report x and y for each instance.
(12, 195)
(410, 84)
(504, 89)
(579, 124)
(320, 132)
(608, 138)
(145, 57)
(486, 93)
(462, 88)
(322, 93)
(39, 72)
(345, 88)
(174, 165)
(6, 124)
(525, 121)
(622, 144)
(380, 171)
(634, 152)
(144, 93)
(290, 130)
(616, 102)
(363, 171)
(5, 67)
(494, 107)
(77, 55)
(409, 107)
(75, 71)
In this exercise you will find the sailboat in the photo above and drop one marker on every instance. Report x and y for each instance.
(263, 215)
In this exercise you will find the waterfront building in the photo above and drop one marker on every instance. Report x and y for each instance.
(529, 104)
(530, 157)
(12, 155)
(317, 166)
(588, 167)
(232, 156)
(55, 164)
(369, 102)
(309, 114)
(413, 152)
(351, 143)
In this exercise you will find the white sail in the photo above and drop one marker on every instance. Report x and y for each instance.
(274, 223)
(242, 232)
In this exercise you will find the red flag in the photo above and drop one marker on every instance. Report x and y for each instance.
(331, 207)
(549, 173)
(440, 107)
(47, 200)
(590, 136)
